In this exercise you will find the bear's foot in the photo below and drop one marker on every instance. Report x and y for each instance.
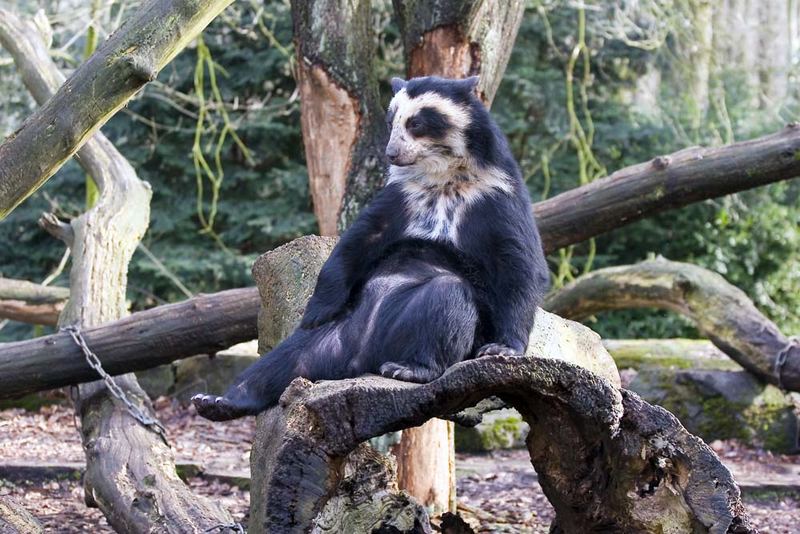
(408, 373)
(217, 408)
(497, 349)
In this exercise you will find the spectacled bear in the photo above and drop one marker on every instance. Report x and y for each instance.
(444, 264)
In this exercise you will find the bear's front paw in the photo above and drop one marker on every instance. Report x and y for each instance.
(498, 349)
(216, 408)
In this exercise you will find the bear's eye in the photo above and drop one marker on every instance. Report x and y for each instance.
(414, 125)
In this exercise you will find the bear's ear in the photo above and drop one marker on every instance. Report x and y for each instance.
(397, 84)
(470, 84)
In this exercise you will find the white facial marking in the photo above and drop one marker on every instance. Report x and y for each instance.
(419, 150)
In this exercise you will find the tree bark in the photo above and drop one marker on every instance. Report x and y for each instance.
(132, 56)
(130, 471)
(606, 459)
(458, 39)
(666, 183)
(342, 119)
(204, 324)
(720, 311)
(14, 519)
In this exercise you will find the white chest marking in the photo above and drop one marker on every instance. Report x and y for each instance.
(436, 207)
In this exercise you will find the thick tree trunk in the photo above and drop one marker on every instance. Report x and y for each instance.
(132, 56)
(458, 39)
(719, 310)
(205, 324)
(606, 459)
(130, 471)
(666, 183)
(341, 115)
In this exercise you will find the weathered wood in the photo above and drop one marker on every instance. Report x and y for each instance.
(605, 459)
(130, 471)
(14, 519)
(666, 183)
(342, 119)
(132, 56)
(204, 324)
(458, 39)
(720, 311)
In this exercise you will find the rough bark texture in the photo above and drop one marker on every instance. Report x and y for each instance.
(202, 325)
(457, 39)
(341, 114)
(666, 183)
(132, 56)
(14, 519)
(719, 310)
(286, 277)
(130, 471)
(605, 459)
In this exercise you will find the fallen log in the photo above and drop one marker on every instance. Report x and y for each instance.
(19, 310)
(204, 324)
(666, 183)
(14, 519)
(605, 459)
(720, 311)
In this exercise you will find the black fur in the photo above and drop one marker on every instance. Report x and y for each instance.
(409, 308)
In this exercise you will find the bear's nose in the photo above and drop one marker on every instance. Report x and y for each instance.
(392, 152)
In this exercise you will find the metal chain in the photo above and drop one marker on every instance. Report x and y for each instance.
(222, 527)
(783, 355)
(116, 392)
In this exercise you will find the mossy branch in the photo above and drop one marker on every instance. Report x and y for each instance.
(130, 58)
(720, 311)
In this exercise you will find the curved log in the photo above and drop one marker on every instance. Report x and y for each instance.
(629, 466)
(722, 312)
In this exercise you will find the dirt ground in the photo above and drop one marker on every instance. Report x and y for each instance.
(499, 489)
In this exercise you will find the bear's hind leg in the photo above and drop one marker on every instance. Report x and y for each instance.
(422, 330)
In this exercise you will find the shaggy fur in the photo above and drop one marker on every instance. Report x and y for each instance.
(444, 264)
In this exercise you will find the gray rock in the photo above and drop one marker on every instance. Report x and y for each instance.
(720, 404)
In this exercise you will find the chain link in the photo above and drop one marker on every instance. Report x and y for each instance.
(783, 355)
(116, 392)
